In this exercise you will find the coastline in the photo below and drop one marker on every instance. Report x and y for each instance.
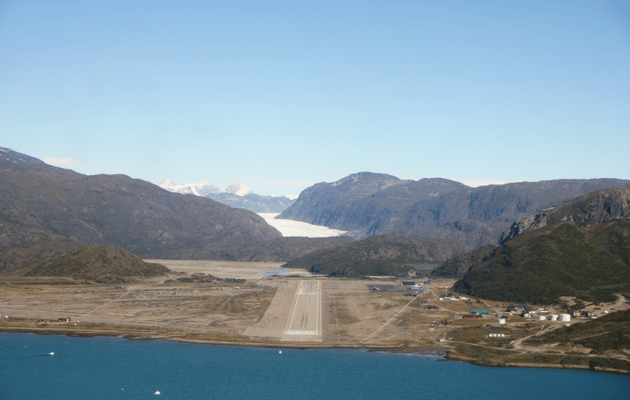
(444, 352)
(343, 314)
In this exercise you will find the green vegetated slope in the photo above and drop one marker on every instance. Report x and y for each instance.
(560, 259)
(32, 252)
(98, 263)
(610, 332)
(460, 264)
(22, 247)
(379, 255)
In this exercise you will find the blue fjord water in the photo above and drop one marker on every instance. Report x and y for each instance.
(115, 368)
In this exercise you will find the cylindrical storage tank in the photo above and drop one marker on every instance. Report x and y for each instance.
(565, 317)
(553, 317)
(501, 321)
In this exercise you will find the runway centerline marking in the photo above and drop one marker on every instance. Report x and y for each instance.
(304, 323)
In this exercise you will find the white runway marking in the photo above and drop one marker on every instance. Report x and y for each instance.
(305, 319)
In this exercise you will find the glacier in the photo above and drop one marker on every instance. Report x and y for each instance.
(290, 228)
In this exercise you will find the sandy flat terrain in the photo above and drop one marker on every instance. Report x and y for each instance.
(247, 307)
(231, 269)
(253, 308)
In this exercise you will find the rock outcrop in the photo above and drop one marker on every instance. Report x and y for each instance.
(595, 208)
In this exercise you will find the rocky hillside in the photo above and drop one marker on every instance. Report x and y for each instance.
(121, 211)
(378, 255)
(595, 208)
(325, 203)
(368, 204)
(583, 250)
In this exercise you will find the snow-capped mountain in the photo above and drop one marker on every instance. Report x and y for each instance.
(237, 189)
(235, 195)
(203, 188)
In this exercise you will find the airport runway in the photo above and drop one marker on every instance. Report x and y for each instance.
(305, 318)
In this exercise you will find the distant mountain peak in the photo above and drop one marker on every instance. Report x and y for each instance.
(18, 158)
(237, 189)
(202, 188)
(235, 195)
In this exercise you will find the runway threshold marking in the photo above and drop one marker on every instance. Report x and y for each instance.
(305, 318)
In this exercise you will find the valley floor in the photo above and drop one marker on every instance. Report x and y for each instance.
(249, 307)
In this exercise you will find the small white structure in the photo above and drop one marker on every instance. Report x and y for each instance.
(553, 317)
(501, 321)
(565, 317)
(542, 318)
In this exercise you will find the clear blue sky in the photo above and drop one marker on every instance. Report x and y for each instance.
(281, 94)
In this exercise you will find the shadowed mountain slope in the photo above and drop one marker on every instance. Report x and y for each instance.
(121, 211)
(367, 204)
(253, 202)
(278, 250)
(460, 264)
(378, 255)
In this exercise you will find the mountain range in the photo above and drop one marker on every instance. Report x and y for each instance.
(369, 204)
(204, 188)
(235, 195)
(555, 238)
